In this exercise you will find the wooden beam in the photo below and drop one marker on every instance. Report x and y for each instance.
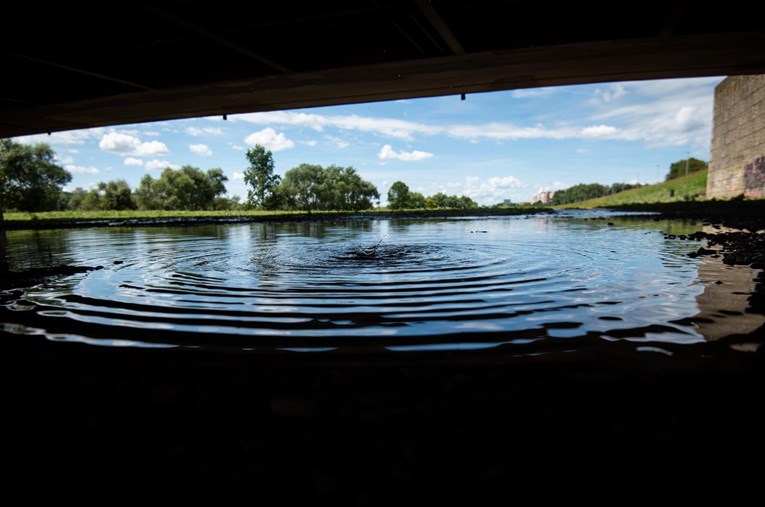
(652, 58)
(215, 38)
(440, 26)
(69, 68)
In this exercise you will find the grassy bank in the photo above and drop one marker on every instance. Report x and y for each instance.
(53, 219)
(686, 188)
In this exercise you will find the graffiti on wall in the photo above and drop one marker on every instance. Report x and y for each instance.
(754, 177)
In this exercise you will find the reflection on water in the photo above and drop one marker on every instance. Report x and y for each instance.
(532, 283)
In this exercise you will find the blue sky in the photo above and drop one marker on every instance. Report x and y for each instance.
(491, 146)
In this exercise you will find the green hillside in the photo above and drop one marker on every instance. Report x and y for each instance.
(685, 188)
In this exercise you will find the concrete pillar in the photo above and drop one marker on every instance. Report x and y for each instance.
(737, 165)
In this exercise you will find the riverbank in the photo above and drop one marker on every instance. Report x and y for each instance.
(67, 220)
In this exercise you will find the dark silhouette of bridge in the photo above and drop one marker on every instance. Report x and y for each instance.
(85, 64)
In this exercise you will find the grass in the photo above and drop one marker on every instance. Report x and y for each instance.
(685, 188)
(73, 218)
(135, 215)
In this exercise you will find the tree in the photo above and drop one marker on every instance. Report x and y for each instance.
(685, 166)
(30, 180)
(313, 187)
(261, 179)
(399, 196)
(187, 188)
(441, 200)
(114, 195)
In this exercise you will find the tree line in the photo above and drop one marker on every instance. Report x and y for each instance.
(585, 191)
(685, 166)
(31, 180)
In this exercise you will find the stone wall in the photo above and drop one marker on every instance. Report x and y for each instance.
(737, 163)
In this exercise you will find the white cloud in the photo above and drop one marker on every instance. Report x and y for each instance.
(127, 144)
(73, 151)
(155, 164)
(308, 143)
(671, 112)
(636, 117)
(270, 139)
(133, 161)
(237, 176)
(387, 152)
(599, 131)
(196, 132)
(613, 92)
(581, 151)
(78, 169)
(493, 190)
(532, 92)
(236, 147)
(67, 137)
(400, 129)
(340, 143)
(201, 149)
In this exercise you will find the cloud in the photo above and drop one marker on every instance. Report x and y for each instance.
(73, 151)
(581, 151)
(201, 149)
(67, 137)
(599, 131)
(308, 143)
(196, 132)
(270, 139)
(493, 190)
(236, 147)
(648, 111)
(671, 112)
(532, 92)
(237, 176)
(391, 127)
(78, 169)
(613, 92)
(133, 161)
(340, 143)
(127, 144)
(386, 152)
(153, 165)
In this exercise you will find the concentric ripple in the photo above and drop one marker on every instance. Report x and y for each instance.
(395, 285)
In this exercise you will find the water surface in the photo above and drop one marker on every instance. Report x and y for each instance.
(532, 283)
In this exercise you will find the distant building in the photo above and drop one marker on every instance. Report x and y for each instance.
(543, 197)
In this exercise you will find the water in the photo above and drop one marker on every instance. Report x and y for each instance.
(532, 284)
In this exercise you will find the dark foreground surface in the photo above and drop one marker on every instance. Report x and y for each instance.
(452, 428)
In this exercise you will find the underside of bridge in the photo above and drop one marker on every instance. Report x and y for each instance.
(82, 64)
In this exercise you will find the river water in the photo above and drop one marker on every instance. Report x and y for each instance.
(531, 283)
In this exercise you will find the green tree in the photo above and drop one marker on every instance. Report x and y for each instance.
(261, 179)
(399, 196)
(187, 188)
(148, 195)
(30, 180)
(685, 166)
(73, 200)
(313, 187)
(301, 185)
(114, 195)
(441, 200)
(416, 200)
